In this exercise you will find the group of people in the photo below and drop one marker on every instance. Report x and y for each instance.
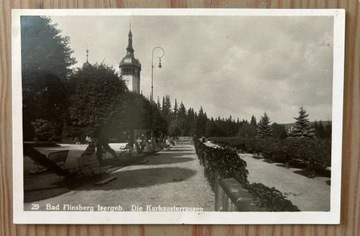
(134, 146)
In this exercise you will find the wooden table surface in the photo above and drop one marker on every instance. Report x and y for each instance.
(350, 208)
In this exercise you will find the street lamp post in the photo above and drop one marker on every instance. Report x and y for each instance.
(152, 84)
(152, 69)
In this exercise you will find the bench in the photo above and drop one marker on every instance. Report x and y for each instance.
(58, 157)
(89, 165)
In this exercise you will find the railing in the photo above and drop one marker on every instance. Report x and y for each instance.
(231, 196)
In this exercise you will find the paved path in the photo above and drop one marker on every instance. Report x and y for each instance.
(306, 193)
(169, 178)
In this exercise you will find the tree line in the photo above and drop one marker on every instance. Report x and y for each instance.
(187, 122)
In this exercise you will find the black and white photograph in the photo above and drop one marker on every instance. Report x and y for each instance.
(159, 116)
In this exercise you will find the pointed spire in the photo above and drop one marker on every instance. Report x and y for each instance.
(129, 48)
(87, 57)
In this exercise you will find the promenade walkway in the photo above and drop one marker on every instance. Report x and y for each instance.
(167, 179)
(306, 193)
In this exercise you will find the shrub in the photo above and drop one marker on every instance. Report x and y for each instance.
(46, 130)
(270, 198)
(315, 152)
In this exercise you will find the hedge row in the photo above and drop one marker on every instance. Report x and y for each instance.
(225, 162)
(314, 154)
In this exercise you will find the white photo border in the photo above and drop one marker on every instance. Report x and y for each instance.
(33, 217)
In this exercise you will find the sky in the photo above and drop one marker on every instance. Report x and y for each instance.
(230, 65)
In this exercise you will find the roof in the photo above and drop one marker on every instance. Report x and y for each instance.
(130, 60)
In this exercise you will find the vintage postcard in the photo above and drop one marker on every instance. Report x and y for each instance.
(177, 116)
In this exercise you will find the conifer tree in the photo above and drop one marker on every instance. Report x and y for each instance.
(253, 120)
(166, 108)
(264, 129)
(201, 121)
(158, 104)
(181, 118)
(182, 111)
(302, 128)
(176, 109)
(190, 122)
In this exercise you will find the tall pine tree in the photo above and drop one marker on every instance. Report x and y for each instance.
(264, 129)
(166, 108)
(176, 109)
(184, 127)
(302, 128)
(200, 128)
(253, 120)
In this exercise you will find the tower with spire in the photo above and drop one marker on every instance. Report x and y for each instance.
(130, 67)
(87, 57)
